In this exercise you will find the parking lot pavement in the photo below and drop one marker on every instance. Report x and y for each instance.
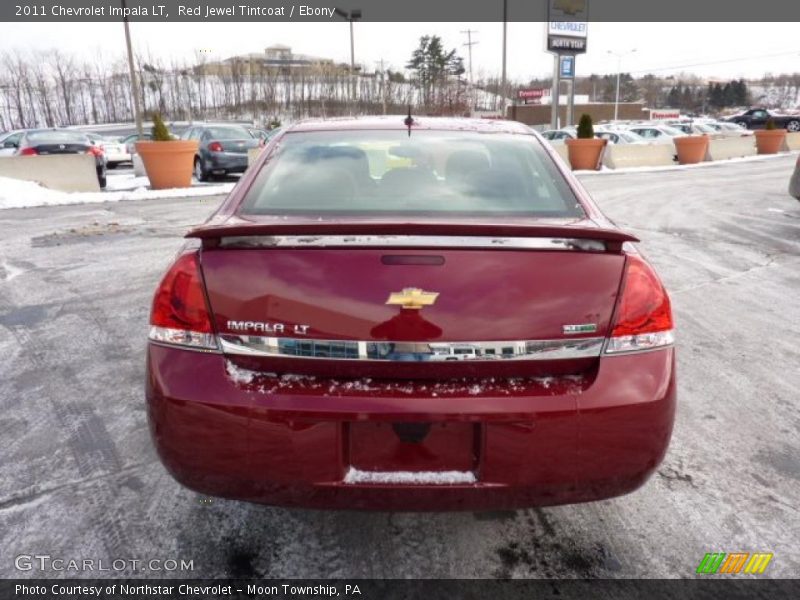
(79, 478)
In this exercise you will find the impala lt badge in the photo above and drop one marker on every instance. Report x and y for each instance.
(412, 298)
(266, 327)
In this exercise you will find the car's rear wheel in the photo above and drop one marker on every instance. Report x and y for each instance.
(199, 171)
(112, 165)
(793, 126)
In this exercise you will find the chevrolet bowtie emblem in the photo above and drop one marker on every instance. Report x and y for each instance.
(570, 7)
(413, 298)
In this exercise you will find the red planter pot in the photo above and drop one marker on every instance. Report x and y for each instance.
(770, 141)
(585, 154)
(691, 149)
(168, 164)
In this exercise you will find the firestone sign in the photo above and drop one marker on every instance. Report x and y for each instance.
(532, 95)
(664, 113)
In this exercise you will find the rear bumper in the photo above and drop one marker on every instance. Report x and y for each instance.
(232, 162)
(288, 446)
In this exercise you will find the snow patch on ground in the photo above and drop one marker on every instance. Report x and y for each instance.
(9, 271)
(355, 476)
(17, 193)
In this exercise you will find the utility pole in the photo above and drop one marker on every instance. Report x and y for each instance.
(503, 78)
(619, 56)
(469, 46)
(383, 85)
(351, 16)
(137, 113)
(252, 91)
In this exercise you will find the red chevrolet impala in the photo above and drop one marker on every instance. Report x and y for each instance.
(410, 314)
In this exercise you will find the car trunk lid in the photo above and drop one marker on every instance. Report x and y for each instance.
(449, 300)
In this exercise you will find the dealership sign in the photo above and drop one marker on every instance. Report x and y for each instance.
(561, 45)
(665, 113)
(567, 26)
(567, 29)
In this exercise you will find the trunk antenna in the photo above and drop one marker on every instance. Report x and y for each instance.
(409, 121)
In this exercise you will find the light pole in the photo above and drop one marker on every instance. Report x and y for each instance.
(503, 77)
(137, 114)
(351, 16)
(619, 56)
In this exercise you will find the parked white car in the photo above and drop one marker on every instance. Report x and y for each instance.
(618, 136)
(9, 141)
(658, 134)
(114, 149)
(557, 136)
(695, 128)
(729, 129)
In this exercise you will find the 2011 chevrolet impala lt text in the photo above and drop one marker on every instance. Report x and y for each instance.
(410, 314)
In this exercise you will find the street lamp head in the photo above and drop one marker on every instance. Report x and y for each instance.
(355, 14)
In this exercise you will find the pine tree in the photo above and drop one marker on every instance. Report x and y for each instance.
(432, 65)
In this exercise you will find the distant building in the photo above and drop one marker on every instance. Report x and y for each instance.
(274, 60)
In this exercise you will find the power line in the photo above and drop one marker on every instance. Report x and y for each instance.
(717, 62)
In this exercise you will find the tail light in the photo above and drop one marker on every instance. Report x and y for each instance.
(644, 314)
(215, 147)
(180, 314)
(28, 151)
(95, 151)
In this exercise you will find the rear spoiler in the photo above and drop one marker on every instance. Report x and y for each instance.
(239, 228)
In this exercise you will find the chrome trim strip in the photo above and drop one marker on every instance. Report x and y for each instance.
(412, 241)
(303, 348)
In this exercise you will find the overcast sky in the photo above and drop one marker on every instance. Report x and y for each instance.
(726, 50)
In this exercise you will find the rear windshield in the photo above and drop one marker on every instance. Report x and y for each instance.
(60, 137)
(229, 133)
(428, 172)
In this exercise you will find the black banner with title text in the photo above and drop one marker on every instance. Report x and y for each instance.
(394, 11)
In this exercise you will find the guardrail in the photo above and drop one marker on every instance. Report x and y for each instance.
(731, 147)
(62, 172)
(619, 156)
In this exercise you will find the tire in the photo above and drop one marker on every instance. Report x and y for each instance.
(199, 171)
(112, 165)
(742, 123)
(793, 126)
(101, 177)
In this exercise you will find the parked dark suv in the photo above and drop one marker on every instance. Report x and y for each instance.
(223, 148)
